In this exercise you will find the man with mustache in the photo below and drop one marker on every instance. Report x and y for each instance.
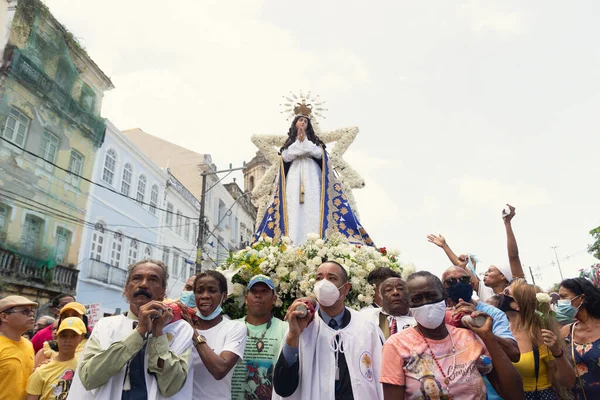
(141, 355)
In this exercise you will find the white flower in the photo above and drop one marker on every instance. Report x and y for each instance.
(322, 253)
(264, 265)
(543, 297)
(281, 272)
(238, 289)
(269, 239)
(294, 275)
(408, 270)
(319, 243)
(286, 240)
(313, 236)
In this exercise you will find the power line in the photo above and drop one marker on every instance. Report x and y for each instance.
(90, 181)
(78, 221)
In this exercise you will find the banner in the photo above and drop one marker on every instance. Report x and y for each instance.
(93, 313)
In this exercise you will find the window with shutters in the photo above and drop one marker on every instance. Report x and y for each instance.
(133, 251)
(178, 223)
(17, 125)
(116, 250)
(63, 239)
(76, 167)
(31, 237)
(110, 162)
(48, 149)
(186, 234)
(97, 242)
(165, 256)
(148, 253)
(153, 199)
(126, 181)
(141, 189)
(4, 217)
(169, 215)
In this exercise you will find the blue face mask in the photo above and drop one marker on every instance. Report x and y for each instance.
(565, 312)
(212, 315)
(188, 299)
(460, 291)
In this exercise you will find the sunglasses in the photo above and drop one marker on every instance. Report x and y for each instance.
(26, 311)
(454, 281)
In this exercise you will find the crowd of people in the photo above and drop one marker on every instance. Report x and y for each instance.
(455, 336)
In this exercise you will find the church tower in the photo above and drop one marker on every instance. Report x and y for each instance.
(254, 171)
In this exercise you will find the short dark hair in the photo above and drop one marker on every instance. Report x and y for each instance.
(216, 275)
(591, 301)
(433, 280)
(56, 300)
(380, 274)
(344, 274)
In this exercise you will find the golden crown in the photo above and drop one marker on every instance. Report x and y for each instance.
(308, 106)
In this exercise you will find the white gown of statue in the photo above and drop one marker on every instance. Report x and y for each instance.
(304, 218)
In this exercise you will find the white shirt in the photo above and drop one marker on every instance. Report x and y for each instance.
(230, 336)
(402, 321)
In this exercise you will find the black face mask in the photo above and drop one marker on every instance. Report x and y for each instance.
(460, 291)
(505, 302)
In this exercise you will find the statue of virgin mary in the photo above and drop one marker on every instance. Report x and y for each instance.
(308, 198)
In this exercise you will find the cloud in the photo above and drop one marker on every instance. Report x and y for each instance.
(493, 194)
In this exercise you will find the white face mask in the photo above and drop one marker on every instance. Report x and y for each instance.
(327, 293)
(430, 316)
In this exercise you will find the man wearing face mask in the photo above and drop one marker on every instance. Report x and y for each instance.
(338, 356)
(459, 288)
(187, 296)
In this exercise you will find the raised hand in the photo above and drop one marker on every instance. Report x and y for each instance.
(463, 260)
(508, 217)
(484, 331)
(438, 240)
(147, 314)
(296, 324)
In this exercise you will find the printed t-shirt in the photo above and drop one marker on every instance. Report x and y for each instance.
(52, 381)
(16, 365)
(420, 374)
(230, 336)
(253, 378)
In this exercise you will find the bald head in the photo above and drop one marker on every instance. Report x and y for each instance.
(454, 272)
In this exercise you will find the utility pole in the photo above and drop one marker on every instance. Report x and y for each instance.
(557, 262)
(531, 273)
(202, 219)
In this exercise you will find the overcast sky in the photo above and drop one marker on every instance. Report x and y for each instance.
(462, 106)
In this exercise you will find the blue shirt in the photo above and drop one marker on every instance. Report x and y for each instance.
(500, 328)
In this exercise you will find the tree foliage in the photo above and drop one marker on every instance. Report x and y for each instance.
(594, 248)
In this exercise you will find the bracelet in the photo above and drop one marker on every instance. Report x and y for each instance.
(562, 353)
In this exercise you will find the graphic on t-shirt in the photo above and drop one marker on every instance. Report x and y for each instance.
(61, 388)
(258, 384)
(431, 389)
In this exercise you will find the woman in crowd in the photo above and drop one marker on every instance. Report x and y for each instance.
(543, 363)
(218, 342)
(580, 300)
(438, 361)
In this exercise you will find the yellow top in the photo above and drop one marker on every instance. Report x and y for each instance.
(16, 364)
(52, 381)
(526, 367)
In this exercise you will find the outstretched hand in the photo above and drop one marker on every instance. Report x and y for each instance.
(508, 217)
(438, 240)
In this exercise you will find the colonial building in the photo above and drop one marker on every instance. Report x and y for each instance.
(50, 100)
(125, 215)
(178, 234)
(225, 215)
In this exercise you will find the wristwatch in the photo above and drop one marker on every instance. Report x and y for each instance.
(198, 339)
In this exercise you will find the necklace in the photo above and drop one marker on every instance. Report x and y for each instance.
(260, 345)
(446, 379)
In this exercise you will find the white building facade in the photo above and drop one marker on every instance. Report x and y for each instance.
(126, 216)
(178, 234)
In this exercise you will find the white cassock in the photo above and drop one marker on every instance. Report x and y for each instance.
(305, 218)
(114, 329)
(362, 349)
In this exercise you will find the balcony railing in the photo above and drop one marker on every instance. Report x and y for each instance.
(27, 271)
(26, 70)
(106, 273)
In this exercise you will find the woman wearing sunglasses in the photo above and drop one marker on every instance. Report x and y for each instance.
(580, 300)
(543, 366)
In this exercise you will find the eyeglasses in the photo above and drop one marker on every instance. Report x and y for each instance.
(26, 311)
(454, 281)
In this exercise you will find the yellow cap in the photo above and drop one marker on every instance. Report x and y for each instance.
(74, 324)
(75, 306)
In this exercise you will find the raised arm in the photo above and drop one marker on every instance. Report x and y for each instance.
(459, 261)
(511, 243)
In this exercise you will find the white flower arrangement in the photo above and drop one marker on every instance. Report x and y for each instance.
(293, 269)
(543, 297)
